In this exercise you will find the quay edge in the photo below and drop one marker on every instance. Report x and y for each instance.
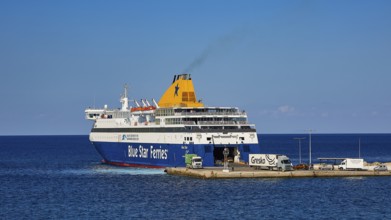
(217, 173)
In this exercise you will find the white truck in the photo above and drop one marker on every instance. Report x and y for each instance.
(193, 161)
(270, 161)
(351, 164)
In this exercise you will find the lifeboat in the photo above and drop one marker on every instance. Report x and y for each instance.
(136, 109)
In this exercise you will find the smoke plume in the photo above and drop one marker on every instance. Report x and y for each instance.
(223, 43)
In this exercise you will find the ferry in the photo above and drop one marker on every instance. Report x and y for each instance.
(160, 134)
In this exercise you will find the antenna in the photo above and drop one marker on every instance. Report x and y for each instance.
(125, 91)
(359, 147)
(124, 98)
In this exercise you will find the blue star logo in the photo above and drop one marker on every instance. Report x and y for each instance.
(176, 90)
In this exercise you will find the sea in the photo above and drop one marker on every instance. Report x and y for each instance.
(62, 177)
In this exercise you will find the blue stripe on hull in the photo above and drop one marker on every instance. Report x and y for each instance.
(164, 155)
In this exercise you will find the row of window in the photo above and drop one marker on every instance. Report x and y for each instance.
(175, 129)
(209, 138)
(164, 112)
(173, 121)
(206, 110)
(188, 138)
(208, 148)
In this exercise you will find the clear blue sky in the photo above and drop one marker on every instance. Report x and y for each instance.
(292, 65)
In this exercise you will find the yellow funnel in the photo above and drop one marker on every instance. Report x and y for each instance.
(180, 94)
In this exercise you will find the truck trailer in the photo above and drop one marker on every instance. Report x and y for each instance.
(270, 161)
(351, 164)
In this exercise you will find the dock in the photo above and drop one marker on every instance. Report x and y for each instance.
(247, 172)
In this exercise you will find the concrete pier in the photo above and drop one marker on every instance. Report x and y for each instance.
(217, 173)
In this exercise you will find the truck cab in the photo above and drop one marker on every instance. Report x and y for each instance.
(284, 163)
(193, 161)
(196, 163)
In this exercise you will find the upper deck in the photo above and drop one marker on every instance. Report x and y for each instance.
(177, 108)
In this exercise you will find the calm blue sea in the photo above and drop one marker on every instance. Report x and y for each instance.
(61, 177)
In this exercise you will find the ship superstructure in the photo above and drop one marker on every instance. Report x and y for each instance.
(151, 134)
